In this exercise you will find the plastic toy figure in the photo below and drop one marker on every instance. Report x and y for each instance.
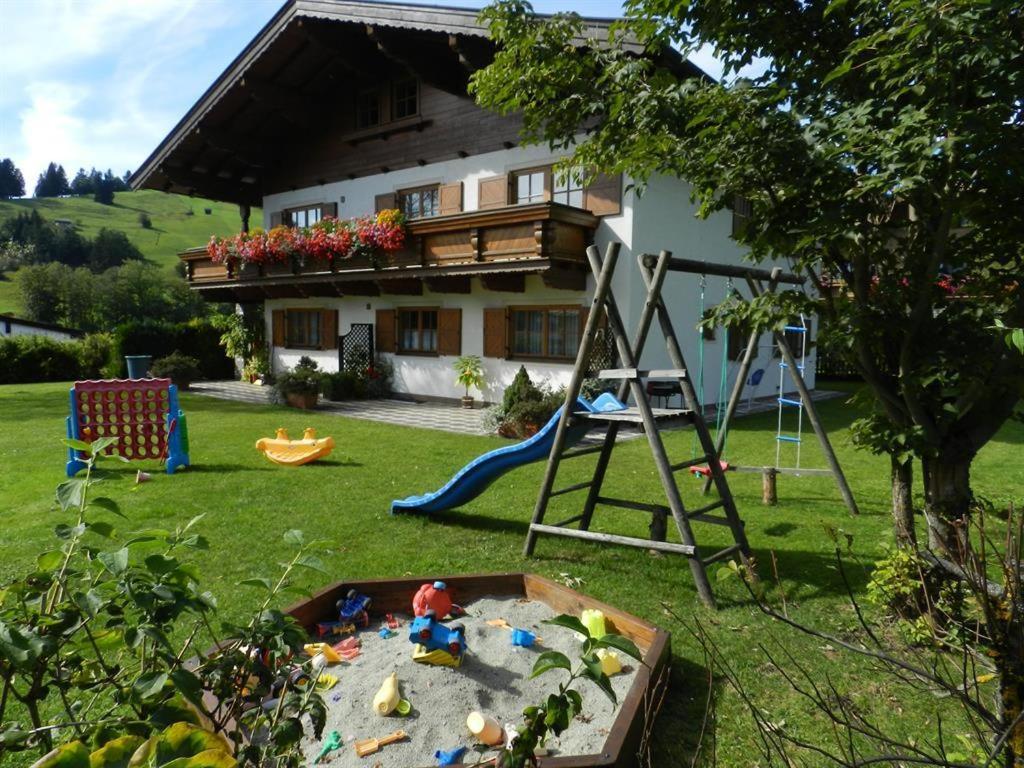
(437, 643)
(353, 608)
(334, 628)
(434, 597)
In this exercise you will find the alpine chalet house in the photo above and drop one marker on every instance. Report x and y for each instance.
(340, 108)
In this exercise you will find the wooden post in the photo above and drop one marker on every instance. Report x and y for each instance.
(243, 212)
(769, 486)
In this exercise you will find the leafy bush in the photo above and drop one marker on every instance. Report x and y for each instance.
(179, 368)
(197, 338)
(26, 359)
(304, 379)
(378, 378)
(344, 385)
(144, 221)
(95, 354)
(524, 407)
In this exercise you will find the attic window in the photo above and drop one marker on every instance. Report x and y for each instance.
(367, 108)
(406, 99)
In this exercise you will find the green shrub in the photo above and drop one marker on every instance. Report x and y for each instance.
(179, 368)
(26, 359)
(344, 385)
(524, 407)
(95, 355)
(304, 379)
(196, 338)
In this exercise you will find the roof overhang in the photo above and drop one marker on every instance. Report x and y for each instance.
(223, 147)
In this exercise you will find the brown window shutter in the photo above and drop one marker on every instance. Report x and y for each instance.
(329, 329)
(496, 333)
(384, 202)
(328, 209)
(603, 195)
(277, 325)
(449, 331)
(276, 218)
(493, 192)
(386, 330)
(451, 198)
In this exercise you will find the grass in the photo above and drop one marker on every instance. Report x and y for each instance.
(179, 222)
(250, 503)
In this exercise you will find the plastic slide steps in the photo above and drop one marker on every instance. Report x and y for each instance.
(474, 478)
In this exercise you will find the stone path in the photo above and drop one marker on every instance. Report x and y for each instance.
(446, 417)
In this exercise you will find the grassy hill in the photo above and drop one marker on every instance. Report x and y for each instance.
(179, 222)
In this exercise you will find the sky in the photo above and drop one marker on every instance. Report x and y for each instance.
(100, 83)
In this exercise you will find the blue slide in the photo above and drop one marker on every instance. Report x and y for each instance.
(474, 478)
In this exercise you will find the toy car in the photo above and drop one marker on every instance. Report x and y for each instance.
(334, 628)
(435, 636)
(353, 609)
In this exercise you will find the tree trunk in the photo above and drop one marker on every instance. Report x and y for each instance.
(947, 505)
(903, 502)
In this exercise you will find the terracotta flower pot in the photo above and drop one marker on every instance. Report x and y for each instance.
(304, 400)
(467, 402)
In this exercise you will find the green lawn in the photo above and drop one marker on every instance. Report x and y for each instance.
(179, 222)
(249, 503)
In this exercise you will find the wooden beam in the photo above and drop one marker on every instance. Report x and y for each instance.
(454, 284)
(351, 55)
(359, 288)
(251, 152)
(213, 187)
(472, 52)
(565, 278)
(430, 67)
(295, 107)
(401, 286)
(508, 282)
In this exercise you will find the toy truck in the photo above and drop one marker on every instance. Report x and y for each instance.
(437, 643)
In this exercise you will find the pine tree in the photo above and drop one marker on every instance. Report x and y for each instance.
(53, 182)
(12, 183)
(82, 183)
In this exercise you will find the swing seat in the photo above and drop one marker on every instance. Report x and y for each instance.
(704, 470)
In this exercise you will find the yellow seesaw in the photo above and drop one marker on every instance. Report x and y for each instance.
(293, 453)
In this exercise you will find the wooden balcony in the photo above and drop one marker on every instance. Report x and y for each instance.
(443, 253)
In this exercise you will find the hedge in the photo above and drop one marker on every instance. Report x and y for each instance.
(196, 338)
(27, 359)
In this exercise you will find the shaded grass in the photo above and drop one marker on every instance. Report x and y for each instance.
(250, 503)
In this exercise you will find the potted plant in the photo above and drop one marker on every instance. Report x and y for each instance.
(179, 368)
(257, 367)
(470, 373)
(300, 387)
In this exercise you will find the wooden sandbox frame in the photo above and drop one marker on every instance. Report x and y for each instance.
(636, 710)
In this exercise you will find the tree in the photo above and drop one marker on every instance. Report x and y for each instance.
(53, 182)
(881, 152)
(12, 183)
(104, 188)
(111, 248)
(82, 183)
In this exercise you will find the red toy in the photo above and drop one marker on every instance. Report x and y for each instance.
(432, 597)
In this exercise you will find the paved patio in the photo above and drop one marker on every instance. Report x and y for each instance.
(447, 417)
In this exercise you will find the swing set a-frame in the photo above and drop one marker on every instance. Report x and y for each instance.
(573, 421)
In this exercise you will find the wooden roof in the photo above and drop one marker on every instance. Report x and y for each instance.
(224, 147)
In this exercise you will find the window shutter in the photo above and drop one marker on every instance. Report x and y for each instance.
(451, 198)
(276, 218)
(603, 195)
(449, 331)
(328, 209)
(386, 330)
(329, 328)
(277, 325)
(384, 202)
(493, 192)
(496, 333)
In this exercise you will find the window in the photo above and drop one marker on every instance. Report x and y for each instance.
(302, 217)
(406, 99)
(368, 108)
(419, 203)
(531, 186)
(568, 188)
(546, 332)
(302, 329)
(417, 331)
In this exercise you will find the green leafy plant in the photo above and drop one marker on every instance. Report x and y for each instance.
(304, 379)
(180, 745)
(179, 368)
(559, 709)
(469, 370)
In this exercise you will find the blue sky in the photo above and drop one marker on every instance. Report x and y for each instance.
(100, 82)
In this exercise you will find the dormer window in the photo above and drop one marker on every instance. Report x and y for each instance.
(406, 99)
(368, 108)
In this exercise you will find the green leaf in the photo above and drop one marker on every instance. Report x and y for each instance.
(621, 644)
(98, 446)
(550, 660)
(76, 445)
(70, 493)
(838, 72)
(592, 671)
(116, 753)
(295, 537)
(116, 562)
(312, 563)
(569, 622)
(89, 602)
(150, 684)
(189, 686)
(101, 528)
(160, 564)
(103, 502)
(49, 561)
(257, 581)
(73, 755)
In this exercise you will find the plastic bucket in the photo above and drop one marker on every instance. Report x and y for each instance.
(138, 366)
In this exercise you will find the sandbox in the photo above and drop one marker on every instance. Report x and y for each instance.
(494, 677)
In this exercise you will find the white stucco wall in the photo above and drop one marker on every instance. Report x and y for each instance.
(11, 327)
(662, 218)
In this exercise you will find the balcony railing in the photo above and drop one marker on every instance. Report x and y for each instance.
(521, 238)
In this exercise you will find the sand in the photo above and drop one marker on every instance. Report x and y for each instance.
(493, 678)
